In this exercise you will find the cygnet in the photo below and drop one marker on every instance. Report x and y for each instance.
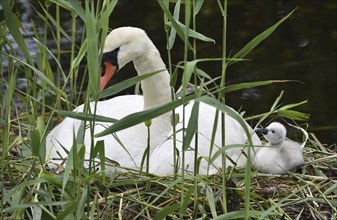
(279, 155)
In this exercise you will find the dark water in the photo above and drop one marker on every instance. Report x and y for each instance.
(303, 49)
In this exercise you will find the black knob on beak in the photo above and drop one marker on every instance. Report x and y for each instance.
(261, 131)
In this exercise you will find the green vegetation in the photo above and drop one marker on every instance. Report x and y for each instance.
(30, 190)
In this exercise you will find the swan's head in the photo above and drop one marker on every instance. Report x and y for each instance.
(122, 45)
(275, 133)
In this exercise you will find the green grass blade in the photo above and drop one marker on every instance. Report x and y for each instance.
(222, 150)
(41, 75)
(198, 5)
(35, 135)
(292, 114)
(82, 203)
(92, 52)
(81, 53)
(125, 84)
(238, 215)
(139, 117)
(186, 201)
(29, 205)
(13, 28)
(225, 109)
(73, 6)
(166, 211)
(210, 199)
(174, 23)
(293, 105)
(68, 168)
(192, 33)
(67, 212)
(192, 126)
(54, 22)
(52, 55)
(258, 39)
(103, 21)
(173, 32)
(85, 116)
(247, 85)
(190, 67)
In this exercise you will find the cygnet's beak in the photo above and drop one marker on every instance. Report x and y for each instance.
(106, 72)
(261, 131)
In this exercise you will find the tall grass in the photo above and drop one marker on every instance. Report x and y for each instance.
(29, 190)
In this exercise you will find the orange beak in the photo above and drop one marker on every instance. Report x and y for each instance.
(106, 74)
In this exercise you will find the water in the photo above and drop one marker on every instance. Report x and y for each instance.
(302, 49)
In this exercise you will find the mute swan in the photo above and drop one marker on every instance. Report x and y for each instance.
(280, 154)
(127, 147)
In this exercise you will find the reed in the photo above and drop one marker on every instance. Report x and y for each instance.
(30, 191)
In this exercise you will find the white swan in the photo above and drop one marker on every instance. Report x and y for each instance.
(128, 44)
(280, 154)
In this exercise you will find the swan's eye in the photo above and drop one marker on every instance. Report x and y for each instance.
(103, 69)
(272, 131)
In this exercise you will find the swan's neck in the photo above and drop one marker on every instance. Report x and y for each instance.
(156, 89)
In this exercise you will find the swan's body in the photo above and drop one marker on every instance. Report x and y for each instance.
(280, 154)
(161, 161)
(127, 147)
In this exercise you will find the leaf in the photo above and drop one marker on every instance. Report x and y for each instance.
(126, 84)
(100, 150)
(192, 33)
(51, 18)
(41, 75)
(104, 18)
(82, 203)
(2, 121)
(239, 215)
(192, 126)
(52, 55)
(186, 200)
(223, 150)
(42, 146)
(202, 73)
(173, 32)
(166, 211)
(247, 85)
(292, 114)
(92, 51)
(211, 202)
(198, 5)
(29, 205)
(258, 39)
(229, 111)
(73, 6)
(139, 117)
(277, 100)
(289, 106)
(69, 164)
(190, 66)
(14, 30)
(52, 180)
(305, 134)
(35, 135)
(171, 18)
(86, 116)
(81, 53)
(69, 208)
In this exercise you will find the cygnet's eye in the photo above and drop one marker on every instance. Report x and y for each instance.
(272, 131)
(103, 70)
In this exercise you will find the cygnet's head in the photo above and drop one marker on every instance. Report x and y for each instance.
(122, 46)
(275, 133)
